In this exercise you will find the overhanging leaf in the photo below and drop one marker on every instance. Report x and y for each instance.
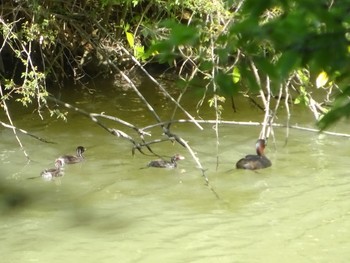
(130, 39)
(321, 79)
(236, 75)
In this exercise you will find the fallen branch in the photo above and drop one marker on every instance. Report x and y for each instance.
(147, 74)
(161, 87)
(252, 123)
(114, 132)
(25, 132)
(14, 130)
(166, 129)
(125, 123)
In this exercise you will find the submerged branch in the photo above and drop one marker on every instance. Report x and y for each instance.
(199, 165)
(25, 132)
(125, 123)
(253, 123)
(14, 129)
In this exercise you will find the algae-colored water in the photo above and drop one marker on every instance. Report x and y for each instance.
(107, 209)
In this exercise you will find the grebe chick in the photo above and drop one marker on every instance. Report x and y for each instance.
(71, 159)
(50, 174)
(160, 163)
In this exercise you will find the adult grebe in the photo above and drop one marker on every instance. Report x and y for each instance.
(254, 162)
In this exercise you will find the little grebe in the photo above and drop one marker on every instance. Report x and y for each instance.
(253, 162)
(49, 174)
(166, 164)
(71, 159)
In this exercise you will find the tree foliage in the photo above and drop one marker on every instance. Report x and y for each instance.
(284, 49)
(289, 44)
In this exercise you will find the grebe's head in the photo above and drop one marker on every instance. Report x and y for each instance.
(260, 146)
(177, 157)
(80, 150)
(59, 163)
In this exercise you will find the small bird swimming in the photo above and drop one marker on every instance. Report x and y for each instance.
(71, 159)
(50, 174)
(160, 163)
(254, 162)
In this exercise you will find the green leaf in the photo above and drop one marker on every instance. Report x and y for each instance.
(130, 39)
(321, 79)
(264, 65)
(297, 100)
(249, 79)
(288, 62)
(340, 109)
(303, 97)
(206, 65)
(224, 81)
(139, 52)
(181, 34)
(256, 8)
(236, 75)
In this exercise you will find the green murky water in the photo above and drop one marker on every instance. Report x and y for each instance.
(107, 209)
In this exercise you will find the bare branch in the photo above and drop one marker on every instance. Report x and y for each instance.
(95, 120)
(14, 129)
(125, 123)
(25, 132)
(252, 123)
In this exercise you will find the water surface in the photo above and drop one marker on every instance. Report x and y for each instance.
(107, 209)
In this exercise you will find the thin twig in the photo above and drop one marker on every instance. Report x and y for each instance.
(266, 101)
(274, 113)
(25, 132)
(14, 129)
(199, 165)
(252, 123)
(214, 59)
(286, 104)
(147, 74)
(125, 123)
(114, 132)
(161, 87)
